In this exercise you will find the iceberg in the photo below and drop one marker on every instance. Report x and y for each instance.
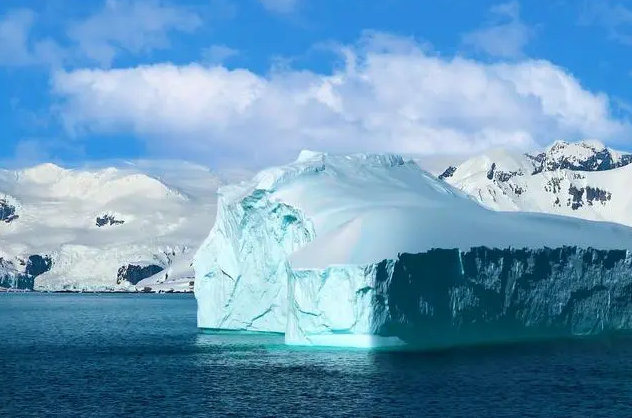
(370, 250)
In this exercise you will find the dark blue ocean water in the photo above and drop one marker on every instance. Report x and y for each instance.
(141, 356)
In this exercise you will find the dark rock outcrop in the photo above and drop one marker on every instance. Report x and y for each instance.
(593, 195)
(505, 176)
(554, 185)
(108, 220)
(7, 212)
(449, 172)
(493, 173)
(133, 273)
(490, 172)
(37, 265)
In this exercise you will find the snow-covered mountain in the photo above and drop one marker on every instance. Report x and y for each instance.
(370, 250)
(135, 225)
(583, 179)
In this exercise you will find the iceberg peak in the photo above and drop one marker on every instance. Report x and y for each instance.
(307, 155)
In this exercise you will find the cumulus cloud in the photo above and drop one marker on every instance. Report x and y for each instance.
(390, 95)
(504, 36)
(132, 26)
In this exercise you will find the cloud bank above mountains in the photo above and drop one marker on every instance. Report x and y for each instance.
(388, 94)
(383, 93)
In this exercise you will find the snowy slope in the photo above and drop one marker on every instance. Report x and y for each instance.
(104, 225)
(298, 248)
(436, 164)
(584, 179)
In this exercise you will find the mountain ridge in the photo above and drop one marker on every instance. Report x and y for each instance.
(583, 179)
(110, 222)
(101, 226)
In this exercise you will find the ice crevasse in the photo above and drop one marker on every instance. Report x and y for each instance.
(370, 251)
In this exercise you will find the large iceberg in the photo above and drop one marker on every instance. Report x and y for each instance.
(370, 250)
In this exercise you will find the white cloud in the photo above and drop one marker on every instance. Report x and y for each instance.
(16, 46)
(125, 25)
(14, 34)
(505, 40)
(614, 16)
(120, 26)
(280, 6)
(35, 150)
(398, 99)
(29, 151)
(218, 54)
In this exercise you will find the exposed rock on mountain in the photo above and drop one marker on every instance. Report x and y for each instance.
(37, 265)
(21, 274)
(133, 273)
(7, 212)
(579, 156)
(107, 219)
(447, 173)
(146, 213)
(583, 179)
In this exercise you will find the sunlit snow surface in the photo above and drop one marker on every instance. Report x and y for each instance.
(518, 183)
(312, 249)
(166, 209)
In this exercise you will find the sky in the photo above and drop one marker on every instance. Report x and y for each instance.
(252, 82)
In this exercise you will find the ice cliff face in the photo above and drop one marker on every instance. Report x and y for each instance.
(242, 265)
(369, 250)
(442, 298)
(20, 273)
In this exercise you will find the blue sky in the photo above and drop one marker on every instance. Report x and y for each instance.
(251, 82)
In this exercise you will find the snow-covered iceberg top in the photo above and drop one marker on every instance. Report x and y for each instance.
(297, 247)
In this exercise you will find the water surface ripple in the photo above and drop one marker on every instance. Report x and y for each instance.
(65, 355)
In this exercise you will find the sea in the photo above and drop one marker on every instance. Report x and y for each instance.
(141, 355)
